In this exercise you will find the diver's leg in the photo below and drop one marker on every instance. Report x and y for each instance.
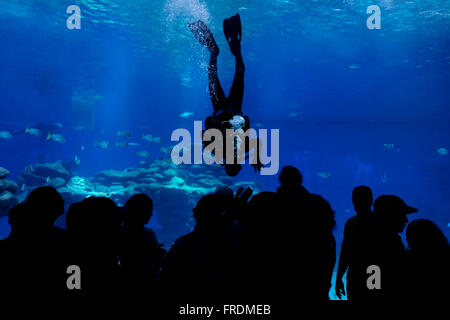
(236, 94)
(215, 89)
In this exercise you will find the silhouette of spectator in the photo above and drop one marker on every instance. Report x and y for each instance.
(261, 257)
(12, 253)
(353, 246)
(291, 187)
(17, 220)
(428, 258)
(386, 249)
(201, 261)
(315, 249)
(93, 228)
(35, 248)
(45, 205)
(226, 193)
(293, 199)
(140, 253)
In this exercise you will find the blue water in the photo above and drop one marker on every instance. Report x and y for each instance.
(354, 106)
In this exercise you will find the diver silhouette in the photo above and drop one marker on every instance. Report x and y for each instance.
(227, 111)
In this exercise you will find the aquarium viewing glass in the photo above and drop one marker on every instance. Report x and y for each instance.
(111, 98)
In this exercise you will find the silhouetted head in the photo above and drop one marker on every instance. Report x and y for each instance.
(208, 210)
(391, 211)
(93, 227)
(362, 199)
(95, 221)
(290, 176)
(425, 236)
(45, 205)
(139, 209)
(17, 216)
(233, 169)
(225, 192)
(226, 195)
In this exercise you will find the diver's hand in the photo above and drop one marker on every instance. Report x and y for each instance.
(339, 288)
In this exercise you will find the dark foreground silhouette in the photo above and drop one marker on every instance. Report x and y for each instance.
(272, 246)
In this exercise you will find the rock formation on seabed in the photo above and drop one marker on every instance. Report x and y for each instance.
(175, 190)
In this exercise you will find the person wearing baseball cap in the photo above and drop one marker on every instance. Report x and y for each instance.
(392, 211)
(387, 250)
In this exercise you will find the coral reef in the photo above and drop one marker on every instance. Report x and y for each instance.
(175, 190)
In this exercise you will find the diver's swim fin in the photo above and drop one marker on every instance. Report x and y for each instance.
(203, 35)
(232, 28)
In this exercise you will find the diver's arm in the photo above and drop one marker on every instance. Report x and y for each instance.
(249, 146)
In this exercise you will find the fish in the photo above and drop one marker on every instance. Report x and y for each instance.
(442, 151)
(47, 127)
(324, 175)
(33, 132)
(150, 138)
(82, 148)
(79, 127)
(77, 160)
(157, 140)
(384, 178)
(144, 163)
(165, 150)
(56, 137)
(354, 66)
(121, 144)
(143, 154)
(124, 134)
(388, 146)
(147, 137)
(294, 114)
(103, 144)
(5, 135)
(125, 144)
(186, 115)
